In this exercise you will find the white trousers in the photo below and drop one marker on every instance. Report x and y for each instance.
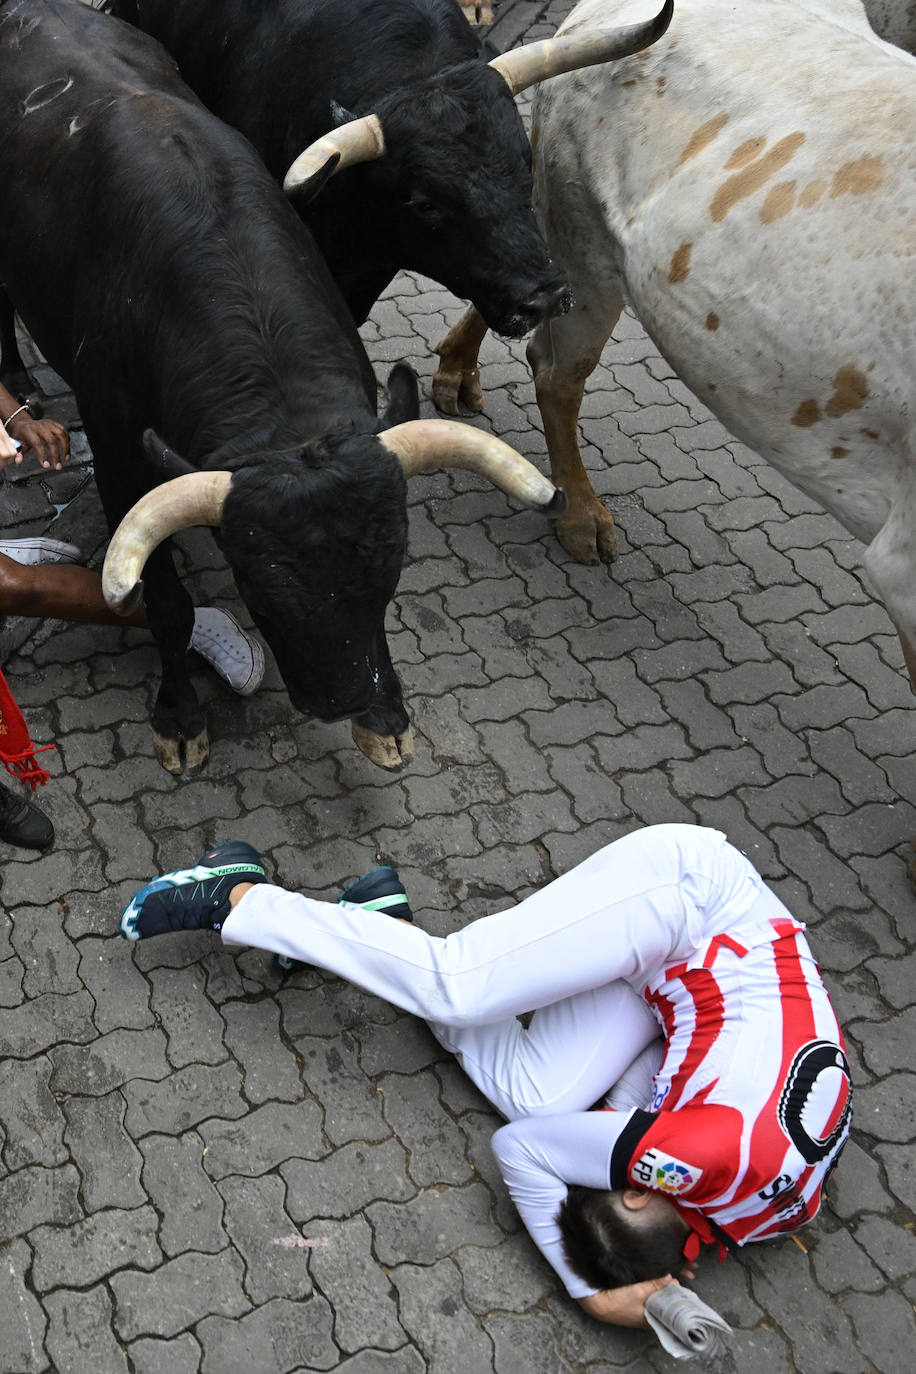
(577, 953)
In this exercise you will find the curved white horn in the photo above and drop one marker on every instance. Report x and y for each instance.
(361, 140)
(425, 444)
(524, 67)
(196, 498)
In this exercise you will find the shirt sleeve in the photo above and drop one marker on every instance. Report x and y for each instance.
(540, 1156)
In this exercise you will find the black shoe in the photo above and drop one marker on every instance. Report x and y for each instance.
(193, 898)
(22, 823)
(380, 890)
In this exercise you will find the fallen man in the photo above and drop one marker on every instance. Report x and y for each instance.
(661, 969)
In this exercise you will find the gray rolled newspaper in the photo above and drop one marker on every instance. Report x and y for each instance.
(684, 1324)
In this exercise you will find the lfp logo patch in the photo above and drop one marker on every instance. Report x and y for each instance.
(664, 1172)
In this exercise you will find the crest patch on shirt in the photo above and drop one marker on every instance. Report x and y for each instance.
(664, 1172)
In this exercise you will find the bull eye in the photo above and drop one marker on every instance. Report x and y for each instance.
(425, 210)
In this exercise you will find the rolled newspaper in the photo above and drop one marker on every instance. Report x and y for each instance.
(685, 1325)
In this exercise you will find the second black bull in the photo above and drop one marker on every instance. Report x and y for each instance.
(163, 274)
(395, 128)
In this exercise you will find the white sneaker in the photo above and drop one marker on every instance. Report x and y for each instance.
(40, 550)
(230, 651)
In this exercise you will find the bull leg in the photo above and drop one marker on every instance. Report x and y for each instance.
(477, 14)
(562, 354)
(13, 374)
(179, 730)
(384, 734)
(458, 375)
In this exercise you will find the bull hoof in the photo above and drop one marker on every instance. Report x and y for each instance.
(179, 756)
(590, 539)
(451, 386)
(392, 752)
(478, 14)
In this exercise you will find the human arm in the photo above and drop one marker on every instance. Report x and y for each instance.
(540, 1156)
(624, 1306)
(49, 438)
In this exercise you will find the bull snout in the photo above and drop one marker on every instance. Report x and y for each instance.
(540, 305)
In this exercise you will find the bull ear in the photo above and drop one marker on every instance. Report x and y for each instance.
(313, 185)
(165, 460)
(403, 396)
(339, 115)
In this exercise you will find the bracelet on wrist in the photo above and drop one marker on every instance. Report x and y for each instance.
(10, 418)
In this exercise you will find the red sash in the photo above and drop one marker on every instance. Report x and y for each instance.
(16, 748)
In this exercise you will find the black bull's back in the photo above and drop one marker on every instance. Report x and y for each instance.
(162, 273)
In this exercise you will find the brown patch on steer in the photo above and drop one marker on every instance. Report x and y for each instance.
(779, 202)
(712, 321)
(808, 414)
(680, 263)
(858, 178)
(745, 153)
(838, 452)
(705, 134)
(850, 391)
(812, 193)
(755, 175)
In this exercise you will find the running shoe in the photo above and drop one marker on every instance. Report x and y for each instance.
(193, 898)
(380, 890)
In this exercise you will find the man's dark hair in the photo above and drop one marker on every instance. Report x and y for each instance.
(608, 1249)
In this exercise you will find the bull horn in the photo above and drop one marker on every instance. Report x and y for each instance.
(524, 67)
(361, 140)
(195, 499)
(425, 444)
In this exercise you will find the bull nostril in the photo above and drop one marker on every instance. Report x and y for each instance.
(545, 304)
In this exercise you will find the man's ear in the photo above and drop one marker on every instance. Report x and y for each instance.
(634, 1199)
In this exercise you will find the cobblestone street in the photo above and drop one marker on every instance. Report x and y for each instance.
(209, 1168)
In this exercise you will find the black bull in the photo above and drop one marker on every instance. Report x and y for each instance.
(442, 185)
(163, 274)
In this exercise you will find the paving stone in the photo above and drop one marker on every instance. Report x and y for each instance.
(180, 1356)
(270, 1070)
(820, 1333)
(478, 1128)
(79, 1332)
(432, 1313)
(346, 1180)
(281, 1337)
(22, 1330)
(32, 1120)
(108, 1161)
(263, 1234)
(885, 1328)
(48, 956)
(120, 992)
(53, 877)
(404, 1361)
(524, 1344)
(887, 1045)
(511, 1276)
(35, 1196)
(404, 1045)
(109, 1062)
(352, 1104)
(11, 976)
(193, 1027)
(358, 1289)
(887, 1109)
(436, 1146)
(263, 1139)
(184, 1099)
(95, 1248)
(189, 1206)
(432, 1225)
(178, 1294)
(840, 1264)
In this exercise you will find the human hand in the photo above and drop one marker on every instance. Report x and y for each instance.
(49, 439)
(8, 450)
(624, 1306)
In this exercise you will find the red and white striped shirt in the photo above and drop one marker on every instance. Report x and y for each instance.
(752, 1101)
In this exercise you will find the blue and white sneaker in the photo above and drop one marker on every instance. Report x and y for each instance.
(193, 898)
(380, 890)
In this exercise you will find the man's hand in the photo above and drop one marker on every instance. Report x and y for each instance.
(623, 1306)
(49, 439)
